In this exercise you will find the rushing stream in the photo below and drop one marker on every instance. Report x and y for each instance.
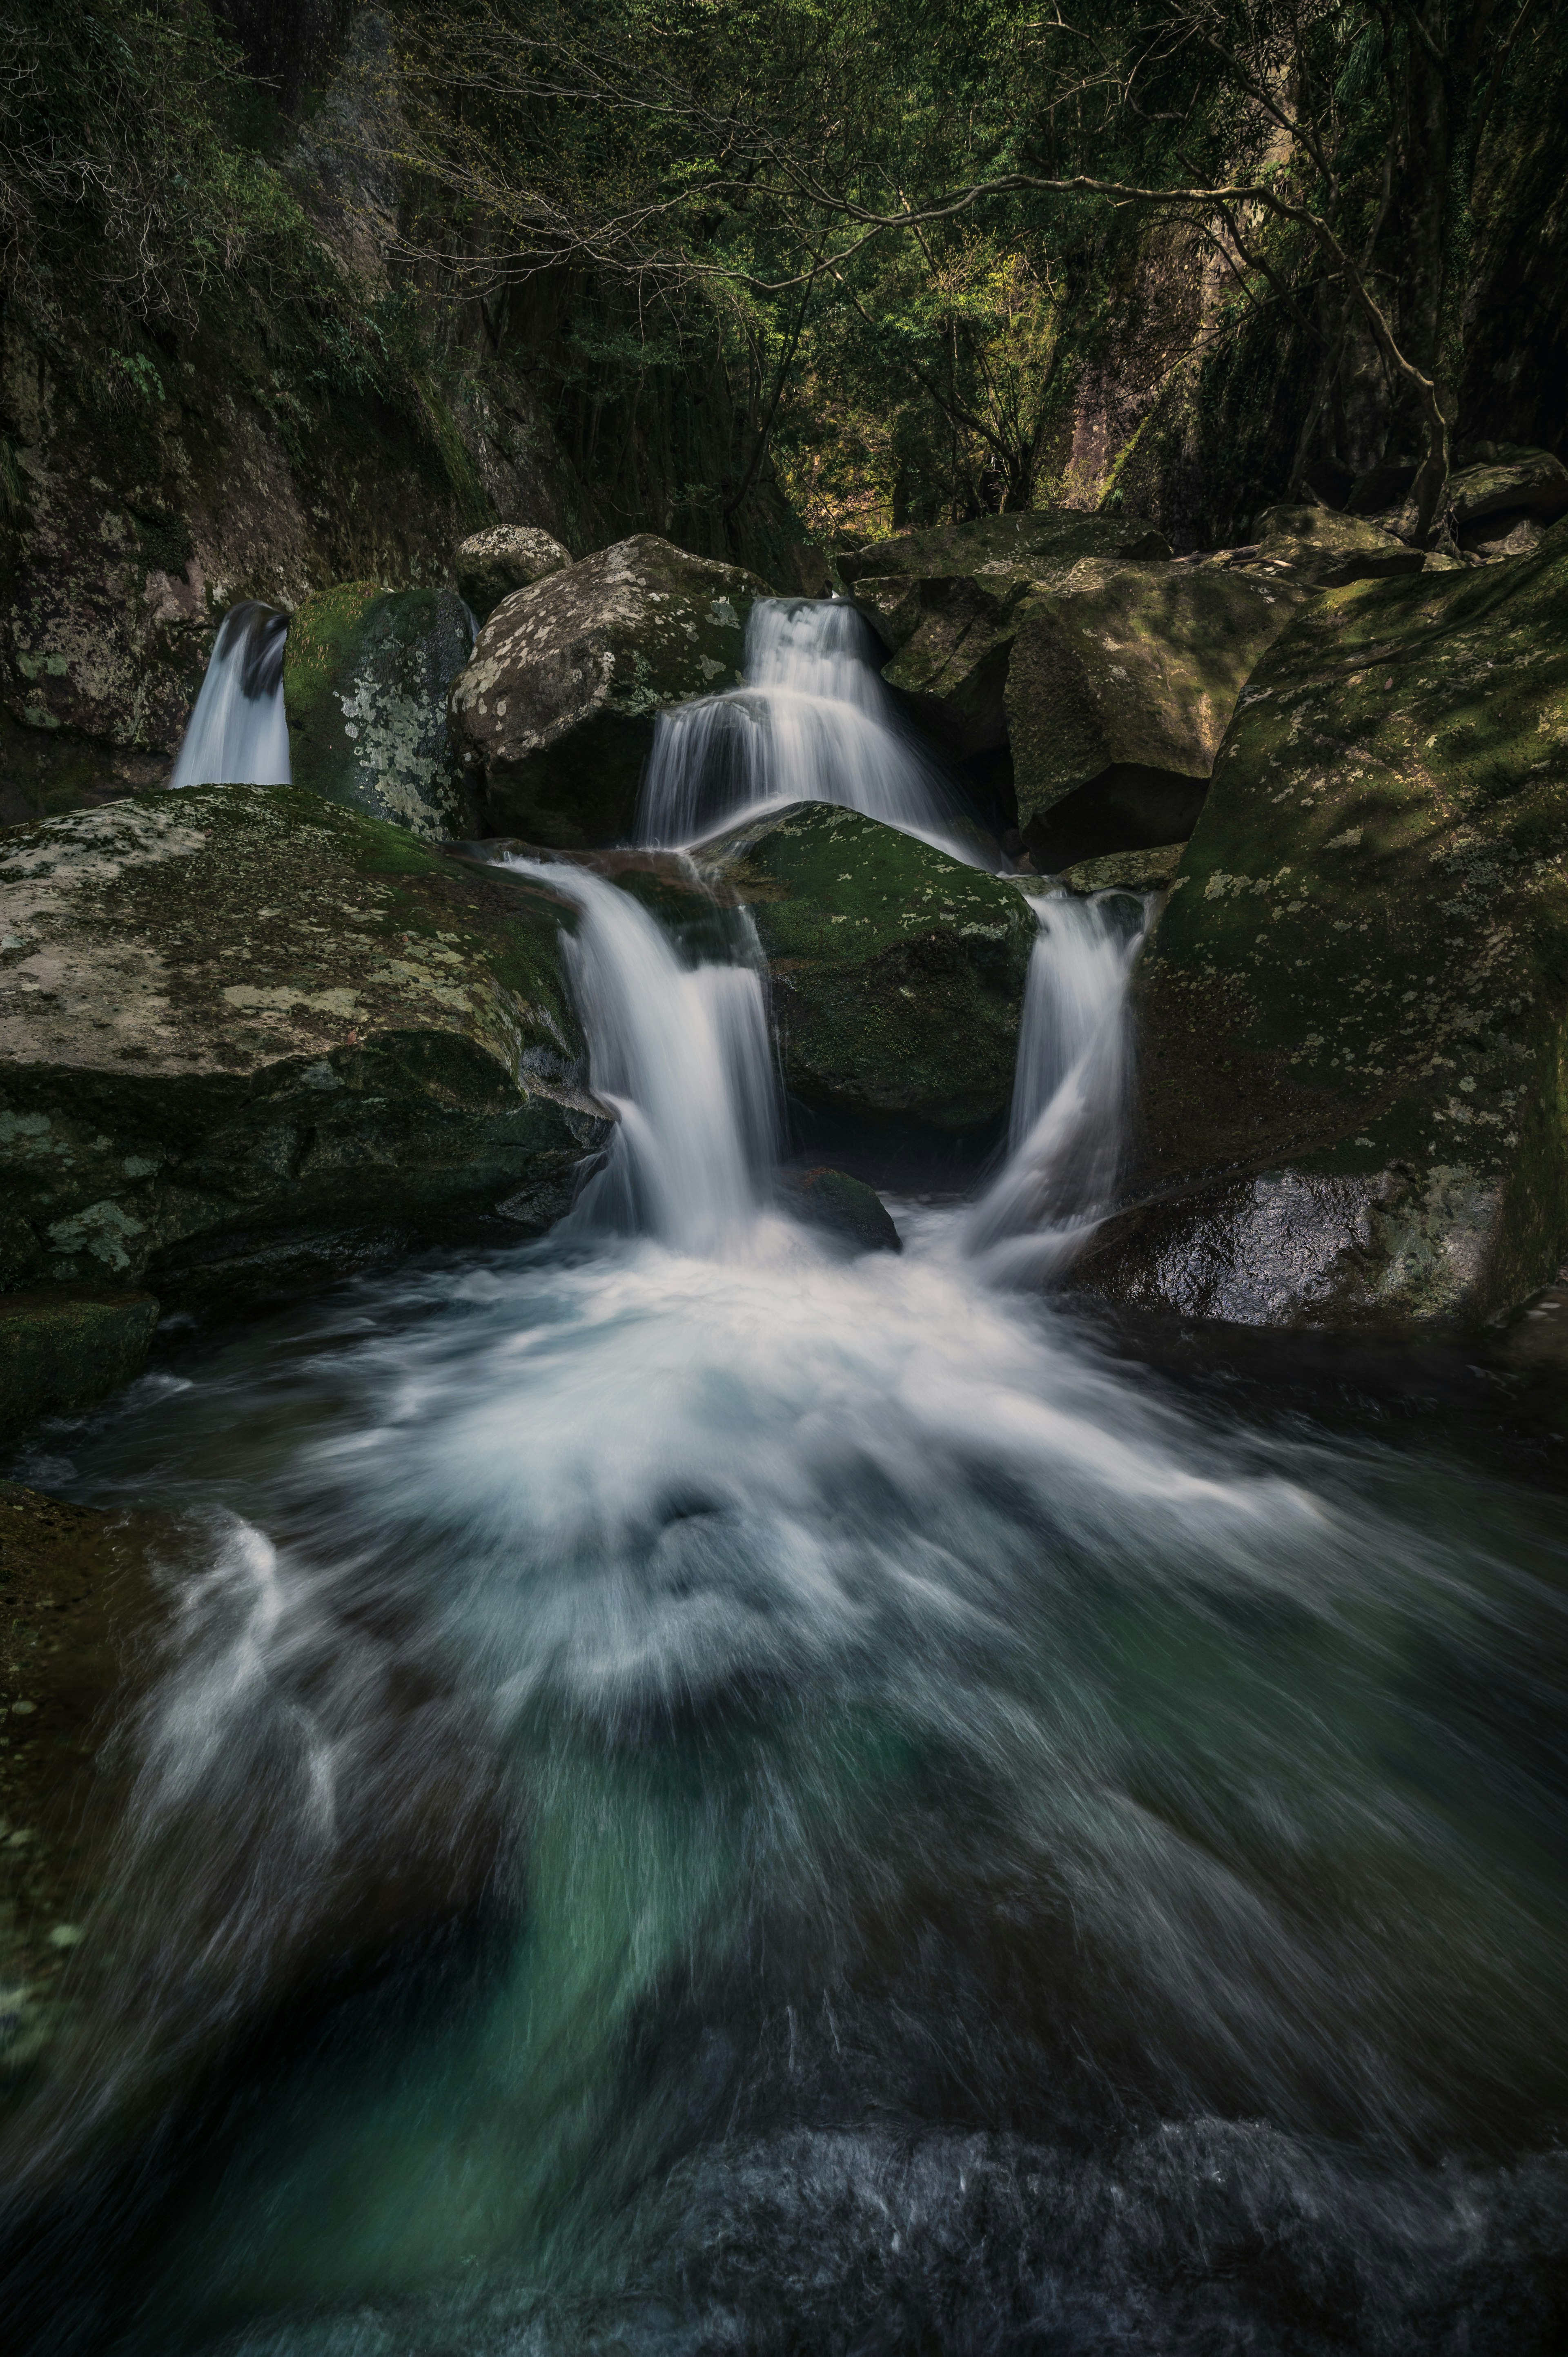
(961, 1849)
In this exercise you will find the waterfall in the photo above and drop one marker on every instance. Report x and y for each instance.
(1070, 1096)
(238, 734)
(683, 1053)
(812, 723)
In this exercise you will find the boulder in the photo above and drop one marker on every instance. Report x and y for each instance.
(554, 713)
(843, 1206)
(1353, 1015)
(246, 1033)
(1524, 482)
(946, 604)
(897, 973)
(490, 564)
(1119, 691)
(1126, 871)
(366, 673)
(1318, 549)
(64, 1346)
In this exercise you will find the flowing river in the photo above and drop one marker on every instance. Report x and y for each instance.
(967, 1848)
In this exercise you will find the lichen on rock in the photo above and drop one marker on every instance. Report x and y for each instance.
(241, 1027)
(366, 676)
(555, 712)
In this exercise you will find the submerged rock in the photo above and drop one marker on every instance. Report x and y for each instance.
(490, 564)
(1354, 1012)
(63, 1347)
(1121, 687)
(897, 973)
(554, 713)
(366, 673)
(843, 1207)
(244, 1032)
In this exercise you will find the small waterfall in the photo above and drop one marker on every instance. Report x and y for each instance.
(813, 723)
(1069, 1098)
(238, 734)
(684, 1056)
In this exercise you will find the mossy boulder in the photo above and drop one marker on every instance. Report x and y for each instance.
(1354, 1013)
(1318, 548)
(245, 1033)
(947, 603)
(554, 713)
(1119, 693)
(897, 973)
(366, 674)
(63, 1347)
(491, 564)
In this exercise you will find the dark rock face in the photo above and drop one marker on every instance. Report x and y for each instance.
(76, 1593)
(897, 973)
(506, 556)
(1354, 1012)
(1120, 689)
(366, 676)
(240, 1027)
(554, 713)
(63, 1347)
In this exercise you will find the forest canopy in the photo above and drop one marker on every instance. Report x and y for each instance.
(890, 241)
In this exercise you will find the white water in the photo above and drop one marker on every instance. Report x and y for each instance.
(682, 1054)
(238, 733)
(1070, 1093)
(813, 723)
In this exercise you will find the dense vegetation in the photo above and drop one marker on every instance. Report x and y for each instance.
(875, 252)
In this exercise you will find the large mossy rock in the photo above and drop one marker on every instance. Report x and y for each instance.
(1121, 687)
(947, 603)
(1318, 548)
(240, 1027)
(898, 971)
(366, 674)
(1354, 1014)
(554, 713)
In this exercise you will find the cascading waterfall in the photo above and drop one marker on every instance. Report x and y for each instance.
(238, 733)
(971, 1852)
(812, 723)
(1070, 1096)
(682, 1054)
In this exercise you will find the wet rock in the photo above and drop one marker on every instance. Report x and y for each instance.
(1354, 1012)
(366, 675)
(554, 713)
(246, 1032)
(947, 604)
(490, 564)
(1120, 689)
(63, 1347)
(897, 973)
(843, 1207)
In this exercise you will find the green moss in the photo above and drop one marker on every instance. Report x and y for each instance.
(1363, 966)
(366, 673)
(898, 971)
